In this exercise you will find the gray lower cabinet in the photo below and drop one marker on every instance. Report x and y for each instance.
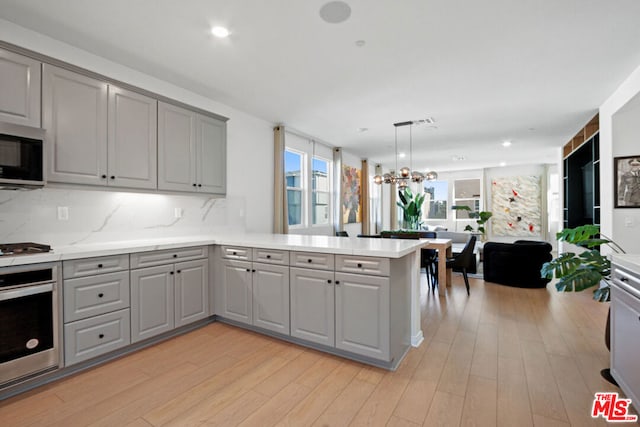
(362, 314)
(191, 291)
(313, 305)
(152, 301)
(235, 299)
(168, 296)
(96, 335)
(96, 306)
(20, 89)
(271, 297)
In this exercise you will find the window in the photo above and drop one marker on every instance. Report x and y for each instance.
(466, 192)
(435, 201)
(320, 192)
(308, 174)
(293, 170)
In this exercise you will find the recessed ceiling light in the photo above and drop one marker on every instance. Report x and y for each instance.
(503, 164)
(457, 158)
(402, 155)
(360, 43)
(335, 12)
(506, 144)
(220, 32)
(362, 129)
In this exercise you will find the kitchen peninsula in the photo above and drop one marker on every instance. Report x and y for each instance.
(356, 298)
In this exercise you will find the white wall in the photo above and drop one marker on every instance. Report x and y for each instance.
(249, 139)
(619, 136)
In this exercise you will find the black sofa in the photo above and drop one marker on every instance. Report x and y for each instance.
(516, 264)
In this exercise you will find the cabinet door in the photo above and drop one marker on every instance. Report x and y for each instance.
(625, 330)
(212, 155)
(152, 301)
(236, 292)
(362, 315)
(132, 149)
(192, 291)
(176, 148)
(20, 89)
(271, 297)
(312, 305)
(75, 118)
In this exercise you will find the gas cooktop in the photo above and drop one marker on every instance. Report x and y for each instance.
(28, 248)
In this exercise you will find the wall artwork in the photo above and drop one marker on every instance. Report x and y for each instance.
(627, 175)
(351, 204)
(516, 204)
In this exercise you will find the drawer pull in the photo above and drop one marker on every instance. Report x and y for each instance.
(624, 279)
(359, 265)
(179, 271)
(171, 273)
(101, 336)
(100, 295)
(337, 282)
(328, 280)
(248, 270)
(175, 255)
(235, 253)
(309, 260)
(253, 271)
(99, 265)
(268, 256)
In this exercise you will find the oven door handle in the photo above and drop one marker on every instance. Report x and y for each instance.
(26, 291)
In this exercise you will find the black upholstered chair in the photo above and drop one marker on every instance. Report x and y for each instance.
(342, 234)
(400, 235)
(464, 260)
(428, 260)
(516, 264)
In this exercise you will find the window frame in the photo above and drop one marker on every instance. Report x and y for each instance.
(329, 193)
(476, 199)
(302, 189)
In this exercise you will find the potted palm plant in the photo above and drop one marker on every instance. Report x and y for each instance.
(411, 209)
(577, 272)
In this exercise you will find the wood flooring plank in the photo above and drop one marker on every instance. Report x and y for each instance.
(395, 421)
(23, 410)
(575, 393)
(342, 410)
(416, 400)
(380, 405)
(480, 402)
(445, 410)
(455, 373)
(288, 373)
(541, 421)
(277, 407)
(238, 410)
(543, 391)
(513, 407)
(310, 408)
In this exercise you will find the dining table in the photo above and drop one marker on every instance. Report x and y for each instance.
(444, 248)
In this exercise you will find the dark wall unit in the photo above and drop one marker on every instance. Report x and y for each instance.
(582, 195)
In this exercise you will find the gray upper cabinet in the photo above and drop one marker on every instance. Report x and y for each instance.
(75, 118)
(176, 148)
(132, 141)
(191, 151)
(98, 134)
(19, 89)
(212, 155)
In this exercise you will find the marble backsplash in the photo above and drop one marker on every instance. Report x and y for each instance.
(98, 216)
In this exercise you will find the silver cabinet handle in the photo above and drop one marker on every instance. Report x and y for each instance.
(26, 291)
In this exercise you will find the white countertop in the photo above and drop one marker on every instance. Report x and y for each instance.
(628, 261)
(386, 248)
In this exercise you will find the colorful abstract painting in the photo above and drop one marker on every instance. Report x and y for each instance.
(351, 205)
(516, 204)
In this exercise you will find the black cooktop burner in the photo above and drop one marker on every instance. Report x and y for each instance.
(23, 248)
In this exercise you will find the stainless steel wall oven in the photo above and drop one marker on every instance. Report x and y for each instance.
(29, 333)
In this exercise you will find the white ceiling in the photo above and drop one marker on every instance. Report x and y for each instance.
(531, 71)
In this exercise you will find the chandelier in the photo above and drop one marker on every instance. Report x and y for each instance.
(405, 174)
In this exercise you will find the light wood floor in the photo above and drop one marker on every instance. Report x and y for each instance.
(503, 356)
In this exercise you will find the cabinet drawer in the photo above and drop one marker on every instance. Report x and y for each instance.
(150, 259)
(362, 265)
(93, 266)
(98, 335)
(312, 260)
(89, 296)
(236, 252)
(271, 256)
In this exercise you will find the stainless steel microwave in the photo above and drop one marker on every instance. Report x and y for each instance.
(21, 156)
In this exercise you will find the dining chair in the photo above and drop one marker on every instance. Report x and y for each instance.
(464, 259)
(428, 260)
(342, 234)
(400, 235)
